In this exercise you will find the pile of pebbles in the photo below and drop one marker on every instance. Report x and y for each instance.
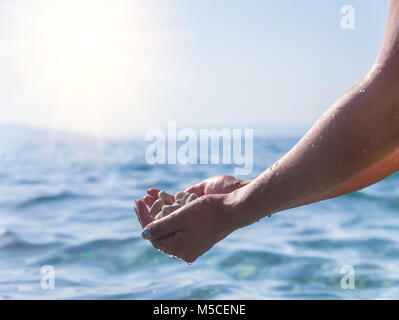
(166, 203)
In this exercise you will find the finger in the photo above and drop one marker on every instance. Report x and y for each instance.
(153, 192)
(137, 213)
(149, 200)
(143, 213)
(199, 189)
(164, 226)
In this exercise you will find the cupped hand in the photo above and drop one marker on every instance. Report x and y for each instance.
(193, 229)
(190, 231)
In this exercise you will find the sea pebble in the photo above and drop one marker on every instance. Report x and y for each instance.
(180, 195)
(158, 216)
(165, 197)
(156, 207)
(191, 197)
(166, 203)
(168, 209)
(185, 197)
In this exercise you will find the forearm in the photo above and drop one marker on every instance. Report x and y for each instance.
(386, 66)
(375, 173)
(359, 130)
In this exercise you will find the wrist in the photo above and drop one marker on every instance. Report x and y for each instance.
(238, 210)
(224, 219)
(249, 204)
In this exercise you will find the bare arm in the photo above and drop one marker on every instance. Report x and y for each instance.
(355, 134)
(387, 59)
(354, 144)
(375, 173)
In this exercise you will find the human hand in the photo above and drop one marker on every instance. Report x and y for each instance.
(190, 231)
(208, 230)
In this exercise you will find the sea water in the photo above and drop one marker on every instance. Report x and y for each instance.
(68, 204)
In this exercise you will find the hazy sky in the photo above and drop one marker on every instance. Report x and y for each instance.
(121, 67)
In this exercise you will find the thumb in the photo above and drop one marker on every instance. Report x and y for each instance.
(198, 189)
(163, 227)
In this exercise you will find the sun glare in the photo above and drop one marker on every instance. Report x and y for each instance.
(80, 55)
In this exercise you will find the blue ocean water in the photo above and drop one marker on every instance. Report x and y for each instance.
(68, 203)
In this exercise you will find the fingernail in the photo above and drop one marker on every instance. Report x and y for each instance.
(146, 233)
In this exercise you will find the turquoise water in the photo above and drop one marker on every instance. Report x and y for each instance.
(68, 203)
